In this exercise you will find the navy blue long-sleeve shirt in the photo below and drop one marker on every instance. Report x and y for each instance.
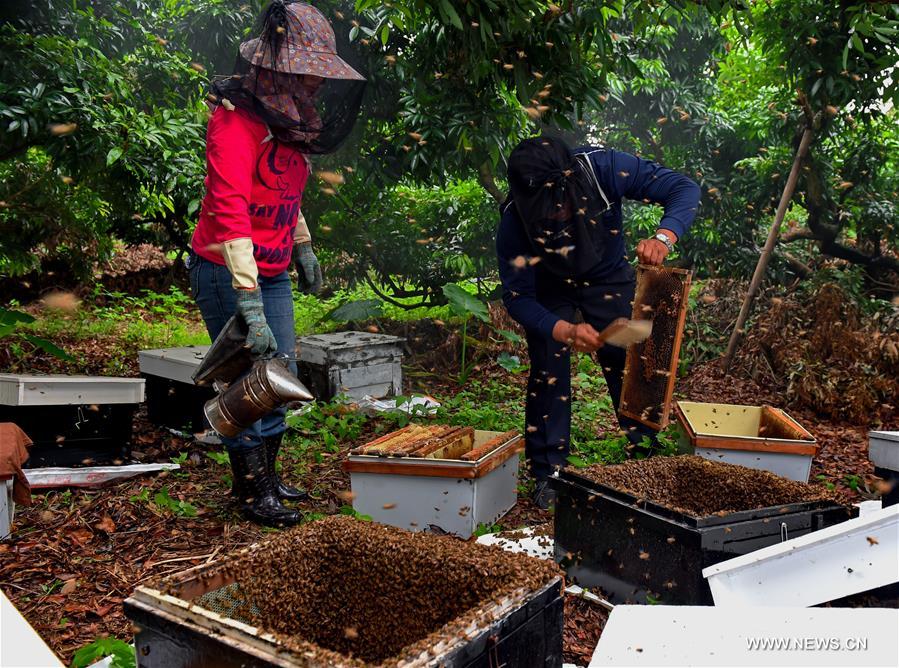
(620, 175)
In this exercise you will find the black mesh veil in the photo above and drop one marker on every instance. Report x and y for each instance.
(559, 202)
(292, 79)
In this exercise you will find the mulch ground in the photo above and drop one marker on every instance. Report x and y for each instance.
(76, 555)
(584, 622)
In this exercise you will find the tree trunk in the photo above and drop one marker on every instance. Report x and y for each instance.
(488, 181)
(768, 250)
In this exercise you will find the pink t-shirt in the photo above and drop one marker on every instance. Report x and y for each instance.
(254, 187)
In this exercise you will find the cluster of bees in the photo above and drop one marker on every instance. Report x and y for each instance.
(356, 593)
(701, 487)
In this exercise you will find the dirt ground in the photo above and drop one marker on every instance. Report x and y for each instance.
(77, 554)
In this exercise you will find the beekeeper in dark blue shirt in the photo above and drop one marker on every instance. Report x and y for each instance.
(561, 250)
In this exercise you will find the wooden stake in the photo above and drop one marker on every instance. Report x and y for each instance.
(768, 250)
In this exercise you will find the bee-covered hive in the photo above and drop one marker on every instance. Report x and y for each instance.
(343, 592)
(643, 531)
(698, 487)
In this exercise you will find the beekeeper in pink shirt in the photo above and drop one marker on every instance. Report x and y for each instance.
(291, 96)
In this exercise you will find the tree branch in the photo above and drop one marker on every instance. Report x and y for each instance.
(798, 266)
(391, 300)
(798, 233)
(488, 181)
(838, 250)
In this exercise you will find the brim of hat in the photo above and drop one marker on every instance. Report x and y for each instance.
(325, 65)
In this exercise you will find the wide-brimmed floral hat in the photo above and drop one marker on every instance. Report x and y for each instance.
(293, 40)
(309, 47)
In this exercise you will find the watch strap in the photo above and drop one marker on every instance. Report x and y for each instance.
(665, 240)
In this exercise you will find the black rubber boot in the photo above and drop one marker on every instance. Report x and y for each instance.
(285, 492)
(256, 489)
(543, 496)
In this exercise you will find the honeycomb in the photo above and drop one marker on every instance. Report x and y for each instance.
(651, 367)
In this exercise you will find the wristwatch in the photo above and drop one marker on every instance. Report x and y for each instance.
(665, 240)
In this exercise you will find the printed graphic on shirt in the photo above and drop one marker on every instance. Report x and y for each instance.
(274, 168)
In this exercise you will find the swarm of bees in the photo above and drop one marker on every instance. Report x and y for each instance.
(699, 487)
(353, 593)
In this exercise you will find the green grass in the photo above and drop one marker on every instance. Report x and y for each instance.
(152, 320)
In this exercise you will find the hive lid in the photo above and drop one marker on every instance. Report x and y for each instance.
(884, 436)
(680, 635)
(176, 364)
(62, 390)
(348, 340)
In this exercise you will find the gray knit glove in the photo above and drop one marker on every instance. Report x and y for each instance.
(309, 271)
(260, 338)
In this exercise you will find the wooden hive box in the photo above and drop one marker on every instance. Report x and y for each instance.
(354, 364)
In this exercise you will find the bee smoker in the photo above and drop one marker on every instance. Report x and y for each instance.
(268, 385)
(261, 386)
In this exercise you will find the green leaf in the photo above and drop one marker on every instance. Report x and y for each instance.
(361, 309)
(10, 317)
(49, 347)
(577, 462)
(511, 363)
(815, 87)
(121, 652)
(114, 154)
(451, 13)
(511, 337)
(465, 303)
(857, 42)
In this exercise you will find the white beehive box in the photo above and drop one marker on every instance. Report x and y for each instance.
(177, 364)
(452, 495)
(59, 390)
(758, 437)
(72, 419)
(354, 364)
(7, 507)
(883, 449)
(680, 635)
(821, 566)
(173, 400)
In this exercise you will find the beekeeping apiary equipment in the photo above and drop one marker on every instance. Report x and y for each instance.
(858, 555)
(420, 478)
(354, 364)
(650, 368)
(344, 593)
(173, 400)
(7, 507)
(760, 437)
(72, 419)
(883, 451)
(661, 635)
(614, 536)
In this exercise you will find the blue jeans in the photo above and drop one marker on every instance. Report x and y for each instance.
(210, 285)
